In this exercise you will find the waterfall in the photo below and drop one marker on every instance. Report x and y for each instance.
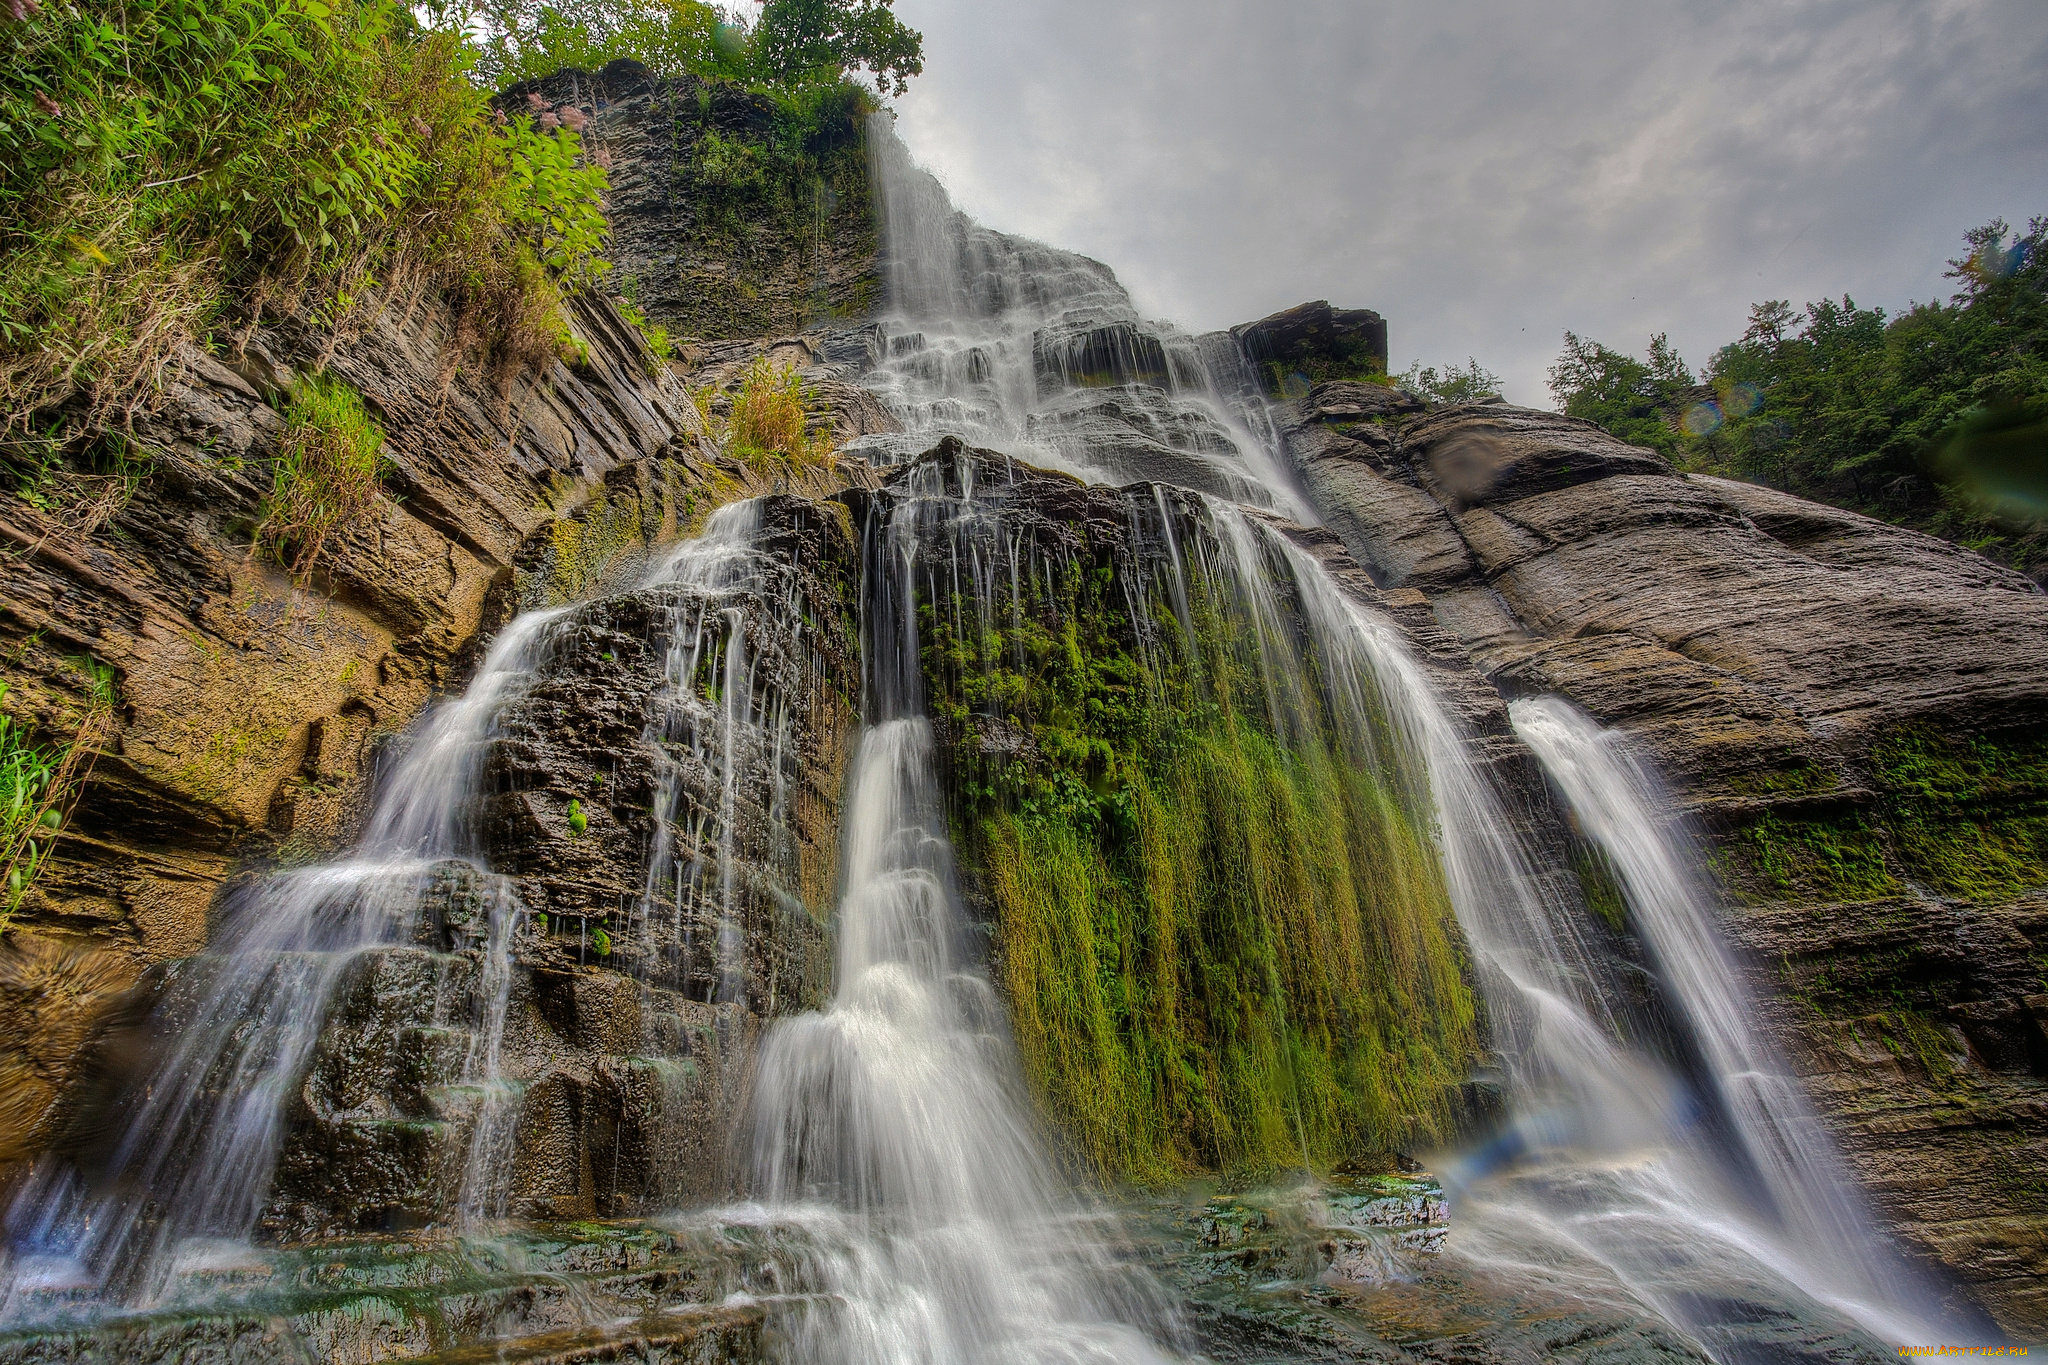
(1762, 1186)
(145, 1214)
(1041, 353)
(1614, 1174)
(192, 1164)
(892, 1129)
(1726, 1217)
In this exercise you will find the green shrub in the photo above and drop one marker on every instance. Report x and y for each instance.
(170, 167)
(768, 419)
(324, 477)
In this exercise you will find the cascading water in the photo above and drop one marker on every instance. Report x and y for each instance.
(891, 1131)
(1724, 1213)
(190, 1172)
(1715, 1206)
(1040, 353)
(1755, 1185)
(161, 1210)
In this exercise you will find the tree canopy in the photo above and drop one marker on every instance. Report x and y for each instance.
(792, 43)
(1936, 418)
(1451, 384)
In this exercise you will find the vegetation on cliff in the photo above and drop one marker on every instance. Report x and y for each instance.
(171, 170)
(325, 474)
(41, 783)
(1221, 926)
(1935, 419)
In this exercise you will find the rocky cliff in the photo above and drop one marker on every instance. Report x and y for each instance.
(1849, 712)
(732, 215)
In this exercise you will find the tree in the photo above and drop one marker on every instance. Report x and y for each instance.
(796, 41)
(523, 40)
(1935, 418)
(1639, 401)
(1451, 385)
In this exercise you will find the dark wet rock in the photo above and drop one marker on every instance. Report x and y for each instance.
(630, 1009)
(1358, 1269)
(1312, 343)
(1851, 713)
(546, 1297)
(1091, 356)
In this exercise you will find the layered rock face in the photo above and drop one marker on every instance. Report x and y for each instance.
(249, 705)
(1850, 712)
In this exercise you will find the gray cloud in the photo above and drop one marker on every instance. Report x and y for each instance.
(1490, 173)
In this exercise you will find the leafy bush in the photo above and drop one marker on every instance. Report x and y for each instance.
(1451, 384)
(169, 166)
(525, 41)
(325, 477)
(806, 40)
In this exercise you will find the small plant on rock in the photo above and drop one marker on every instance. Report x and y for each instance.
(768, 418)
(40, 784)
(329, 465)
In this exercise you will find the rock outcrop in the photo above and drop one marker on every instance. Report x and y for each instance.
(724, 223)
(1850, 713)
(249, 705)
(1314, 343)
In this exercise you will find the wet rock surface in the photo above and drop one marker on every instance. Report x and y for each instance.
(1848, 713)
(544, 1296)
(250, 707)
(1313, 343)
(634, 990)
(1363, 1268)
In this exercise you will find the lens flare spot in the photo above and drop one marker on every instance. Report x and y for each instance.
(1703, 419)
(1742, 399)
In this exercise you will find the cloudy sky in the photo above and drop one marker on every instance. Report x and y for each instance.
(1489, 173)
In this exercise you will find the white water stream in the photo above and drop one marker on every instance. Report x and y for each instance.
(892, 1131)
(190, 1172)
(1745, 1189)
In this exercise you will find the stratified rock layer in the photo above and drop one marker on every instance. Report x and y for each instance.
(1851, 712)
(249, 705)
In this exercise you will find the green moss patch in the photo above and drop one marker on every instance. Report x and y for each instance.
(1823, 856)
(1968, 817)
(1219, 916)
